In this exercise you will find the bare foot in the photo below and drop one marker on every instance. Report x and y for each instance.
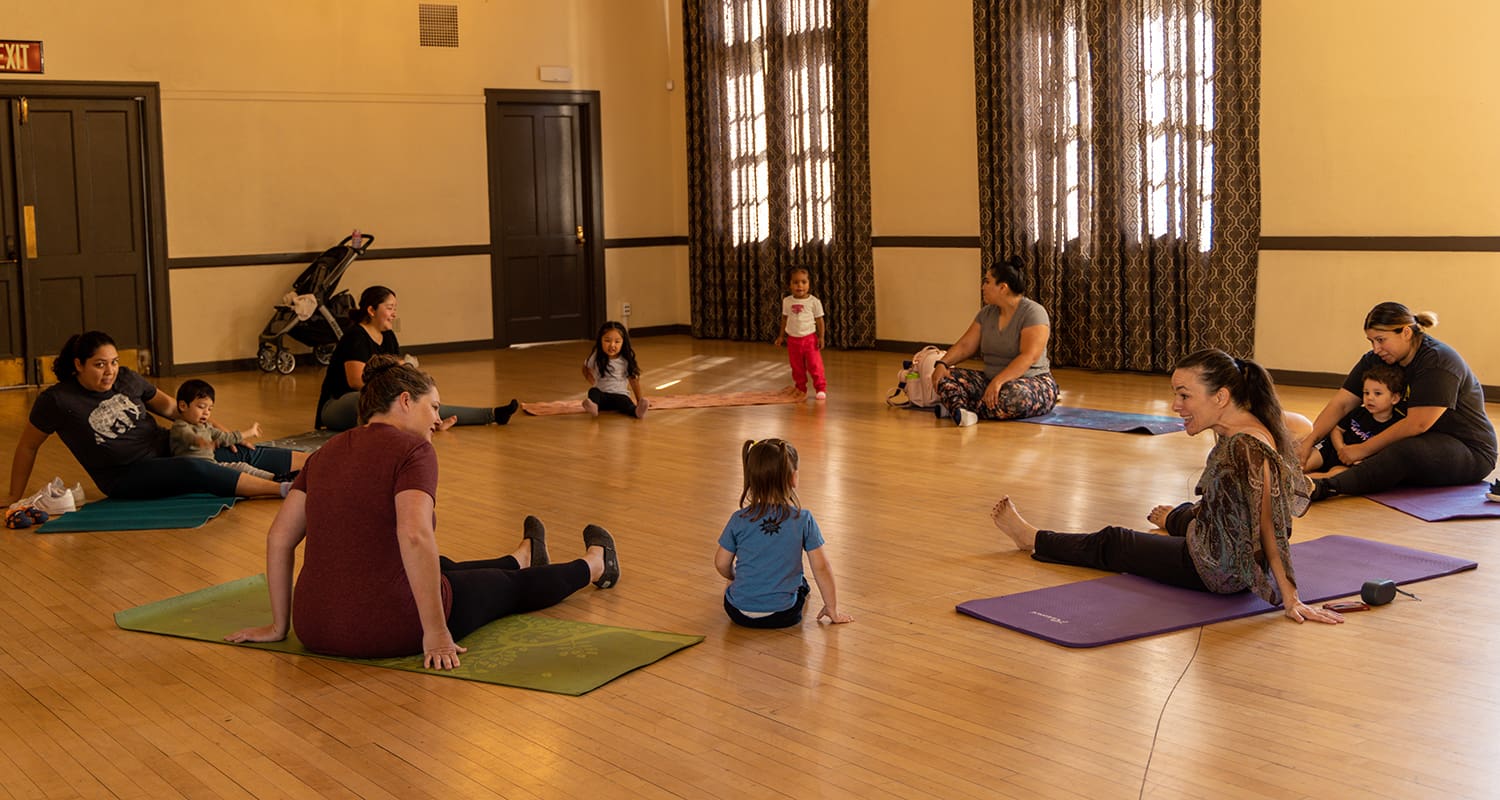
(1008, 520)
(640, 408)
(1158, 516)
(591, 407)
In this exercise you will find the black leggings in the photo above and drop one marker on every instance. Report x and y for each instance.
(484, 591)
(1431, 459)
(609, 401)
(172, 475)
(1164, 559)
(785, 618)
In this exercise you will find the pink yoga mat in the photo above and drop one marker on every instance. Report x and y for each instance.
(1122, 607)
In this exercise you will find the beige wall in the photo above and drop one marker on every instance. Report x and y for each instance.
(319, 115)
(1371, 126)
(286, 123)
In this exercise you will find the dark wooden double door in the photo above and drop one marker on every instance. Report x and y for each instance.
(75, 253)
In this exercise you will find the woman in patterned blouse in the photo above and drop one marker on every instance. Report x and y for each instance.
(1237, 536)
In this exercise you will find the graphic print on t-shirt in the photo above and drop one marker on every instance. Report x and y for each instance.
(770, 527)
(114, 416)
(797, 308)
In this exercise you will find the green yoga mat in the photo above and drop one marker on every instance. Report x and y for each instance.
(526, 651)
(182, 511)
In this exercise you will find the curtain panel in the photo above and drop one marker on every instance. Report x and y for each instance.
(782, 191)
(1119, 158)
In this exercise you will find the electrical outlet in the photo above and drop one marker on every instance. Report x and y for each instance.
(624, 309)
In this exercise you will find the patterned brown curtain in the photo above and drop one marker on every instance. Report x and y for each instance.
(1113, 135)
(778, 164)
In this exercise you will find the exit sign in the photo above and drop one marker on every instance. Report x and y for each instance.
(20, 56)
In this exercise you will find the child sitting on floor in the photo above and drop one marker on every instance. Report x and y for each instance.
(194, 437)
(760, 550)
(1384, 386)
(611, 372)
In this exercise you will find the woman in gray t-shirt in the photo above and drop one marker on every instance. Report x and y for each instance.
(1010, 333)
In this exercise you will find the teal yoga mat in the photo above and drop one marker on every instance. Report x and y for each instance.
(526, 651)
(181, 511)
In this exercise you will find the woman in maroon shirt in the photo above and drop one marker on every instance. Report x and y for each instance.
(372, 583)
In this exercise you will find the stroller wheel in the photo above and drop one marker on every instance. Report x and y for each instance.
(285, 362)
(266, 358)
(324, 353)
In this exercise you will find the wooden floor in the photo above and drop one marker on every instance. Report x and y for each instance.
(912, 700)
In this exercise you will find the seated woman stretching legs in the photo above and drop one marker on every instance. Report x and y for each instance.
(1238, 535)
(370, 334)
(372, 583)
(102, 412)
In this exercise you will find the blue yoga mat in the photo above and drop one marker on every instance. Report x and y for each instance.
(1098, 420)
(1122, 607)
(181, 511)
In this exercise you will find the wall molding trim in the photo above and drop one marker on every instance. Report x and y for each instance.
(1390, 244)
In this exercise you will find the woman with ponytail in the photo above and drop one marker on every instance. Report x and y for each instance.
(1445, 438)
(370, 333)
(102, 412)
(1238, 535)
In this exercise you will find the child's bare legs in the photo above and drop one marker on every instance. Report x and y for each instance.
(1008, 520)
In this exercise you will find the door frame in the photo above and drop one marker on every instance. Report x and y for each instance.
(148, 96)
(587, 103)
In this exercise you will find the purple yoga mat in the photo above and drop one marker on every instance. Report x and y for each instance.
(1435, 503)
(1098, 420)
(1121, 607)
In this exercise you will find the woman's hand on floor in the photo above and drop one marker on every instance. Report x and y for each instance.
(264, 633)
(439, 651)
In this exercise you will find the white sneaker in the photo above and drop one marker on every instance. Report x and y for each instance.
(822, 395)
(56, 499)
(78, 496)
(967, 418)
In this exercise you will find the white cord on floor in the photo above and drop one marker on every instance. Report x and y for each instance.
(1163, 712)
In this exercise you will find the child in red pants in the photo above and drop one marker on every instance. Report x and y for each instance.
(802, 329)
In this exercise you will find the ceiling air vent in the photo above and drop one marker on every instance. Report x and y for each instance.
(438, 25)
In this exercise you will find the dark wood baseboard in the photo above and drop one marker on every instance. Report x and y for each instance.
(662, 330)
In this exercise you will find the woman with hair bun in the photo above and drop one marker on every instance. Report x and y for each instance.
(370, 334)
(372, 583)
(1238, 535)
(102, 411)
(1445, 439)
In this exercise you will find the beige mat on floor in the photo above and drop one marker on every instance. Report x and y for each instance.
(657, 402)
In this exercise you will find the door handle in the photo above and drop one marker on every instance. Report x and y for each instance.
(580, 235)
(28, 214)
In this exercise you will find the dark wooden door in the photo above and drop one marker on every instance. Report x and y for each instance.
(84, 251)
(543, 269)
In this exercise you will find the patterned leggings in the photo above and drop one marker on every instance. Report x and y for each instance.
(1022, 397)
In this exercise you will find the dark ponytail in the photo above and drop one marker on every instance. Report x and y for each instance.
(373, 296)
(78, 347)
(1250, 387)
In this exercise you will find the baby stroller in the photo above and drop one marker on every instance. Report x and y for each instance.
(311, 314)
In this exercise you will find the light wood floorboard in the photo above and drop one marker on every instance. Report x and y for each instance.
(911, 701)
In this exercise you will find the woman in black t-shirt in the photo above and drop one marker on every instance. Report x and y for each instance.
(103, 414)
(338, 402)
(1445, 439)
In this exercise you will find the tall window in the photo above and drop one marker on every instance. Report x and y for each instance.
(1170, 112)
(803, 89)
(778, 163)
